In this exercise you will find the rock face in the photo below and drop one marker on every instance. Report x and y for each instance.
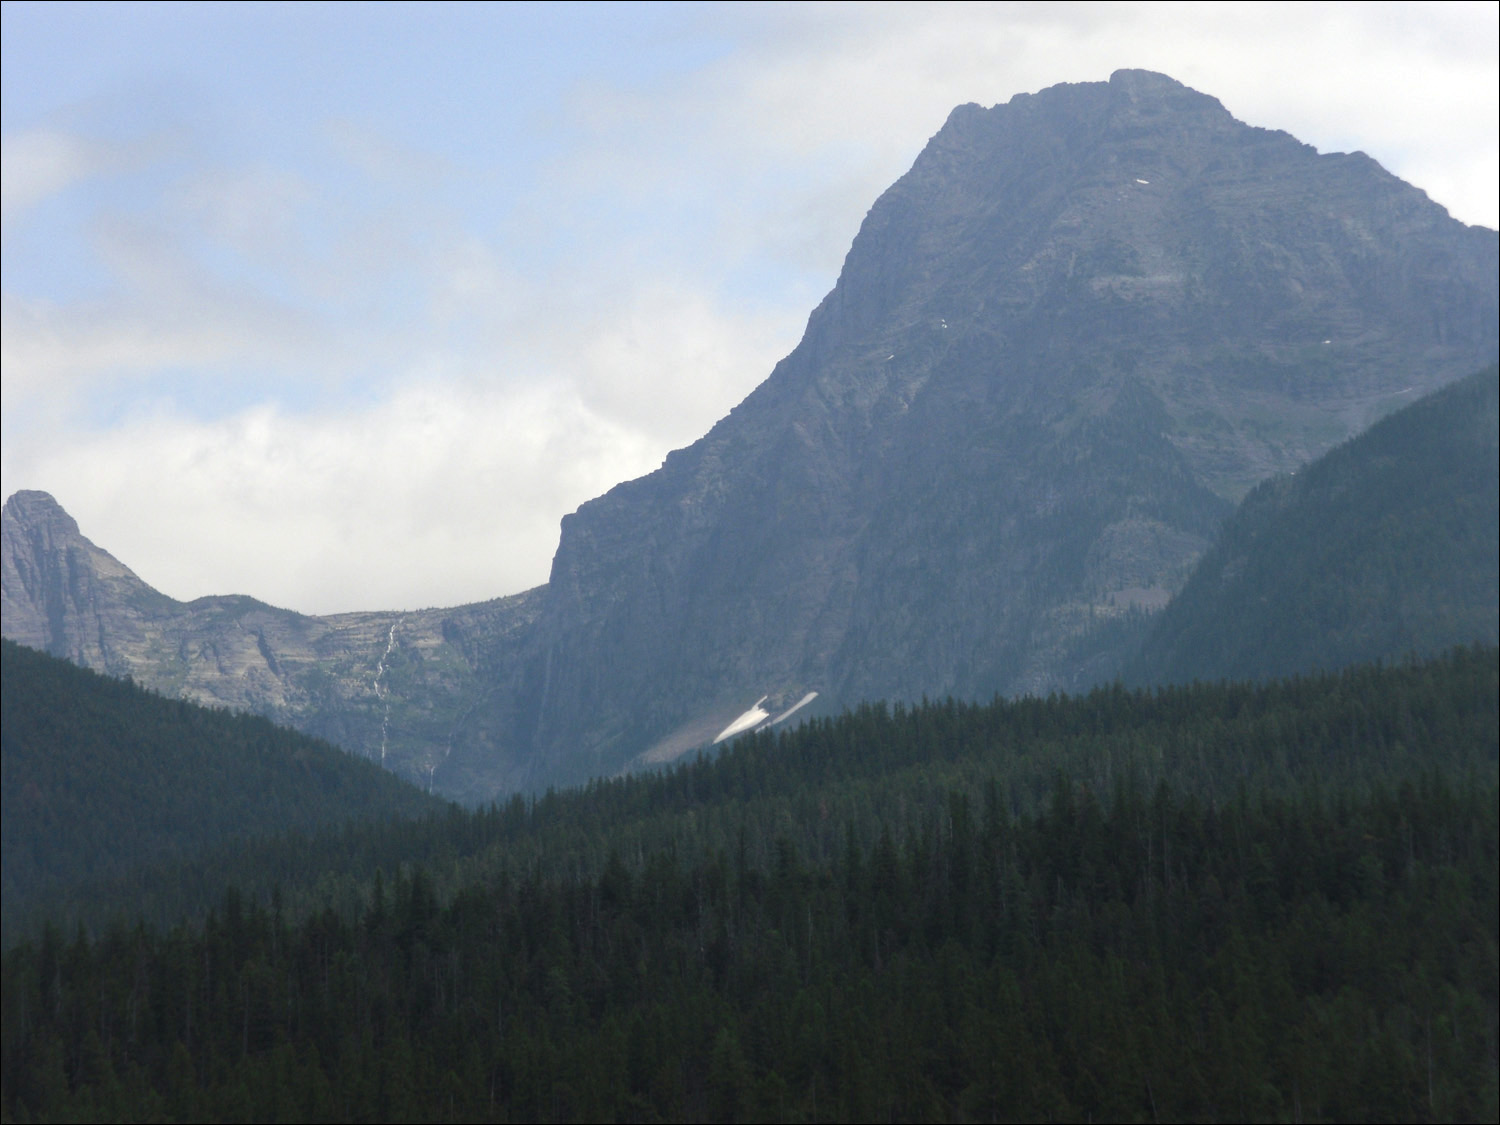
(1062, 347)
(62, 594)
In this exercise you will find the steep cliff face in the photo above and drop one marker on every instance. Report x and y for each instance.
(1061, 347)
(62, 594)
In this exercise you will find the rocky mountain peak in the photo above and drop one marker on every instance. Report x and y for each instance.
(1160, 95)
(60, 592)
(1078, 330)
(29, 509)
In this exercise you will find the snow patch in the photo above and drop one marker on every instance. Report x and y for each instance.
(751, 718)
(801, 703)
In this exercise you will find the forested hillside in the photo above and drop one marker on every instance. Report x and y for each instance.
(1205, 903)
(102, 777)
(1387, 546)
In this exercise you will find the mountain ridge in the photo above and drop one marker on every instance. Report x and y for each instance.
(1062, 347)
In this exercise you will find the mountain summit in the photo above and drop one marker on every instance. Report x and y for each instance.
(1061, 349)
(62, 594)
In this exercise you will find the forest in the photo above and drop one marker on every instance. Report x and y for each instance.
(1208, 902)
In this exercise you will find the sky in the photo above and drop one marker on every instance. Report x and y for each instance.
(345, 306)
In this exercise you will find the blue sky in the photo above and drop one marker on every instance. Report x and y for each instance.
(346, 305)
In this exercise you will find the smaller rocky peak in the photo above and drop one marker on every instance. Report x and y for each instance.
(1142, 101)
(31, 509)
(45, 557)
(963, 117)
(62, 594)
(1147, 87)
(1149, 84)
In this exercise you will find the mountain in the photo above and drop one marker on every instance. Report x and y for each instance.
(1062, 348)
(1388, 545)
(400, 688)
(102, 777)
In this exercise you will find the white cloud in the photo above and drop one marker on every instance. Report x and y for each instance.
(446, 489)
(434, 497)
(668, 362)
